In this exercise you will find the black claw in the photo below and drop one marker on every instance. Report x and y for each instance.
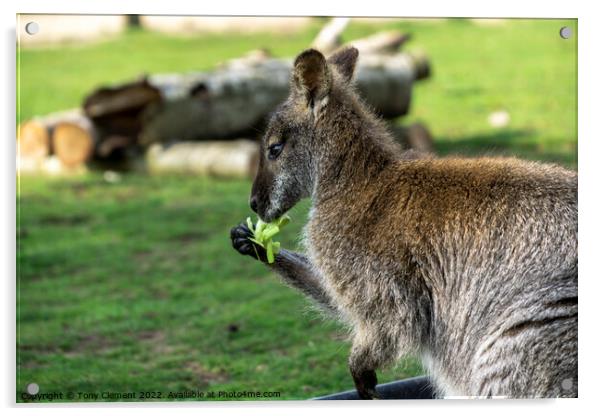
(240, 230)
(245, 248)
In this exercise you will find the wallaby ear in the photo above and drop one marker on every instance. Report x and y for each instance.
(311, 75)
(345, 61)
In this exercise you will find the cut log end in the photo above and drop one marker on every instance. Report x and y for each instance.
(422, 66)
(419, 138)
(33, 140)
(72, 144)
(414, 137)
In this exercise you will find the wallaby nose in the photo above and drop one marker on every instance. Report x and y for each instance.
(253, 203)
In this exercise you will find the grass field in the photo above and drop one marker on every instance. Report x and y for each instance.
(133, 286)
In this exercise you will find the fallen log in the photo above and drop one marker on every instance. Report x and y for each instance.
(380, 43)
(237, 158)
(232, 101)
(329, 38)
(73, 141)
(235, 100)
(117, 113)
(33, 140)
(69, 135)
(34, 136)
(118, 108)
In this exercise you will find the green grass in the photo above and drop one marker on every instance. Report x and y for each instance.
(133, 286)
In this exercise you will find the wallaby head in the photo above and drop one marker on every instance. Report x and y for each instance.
(320, 89)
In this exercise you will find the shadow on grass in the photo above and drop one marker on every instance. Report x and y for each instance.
(521, 143)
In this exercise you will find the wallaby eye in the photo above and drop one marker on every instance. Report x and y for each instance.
(275, 150)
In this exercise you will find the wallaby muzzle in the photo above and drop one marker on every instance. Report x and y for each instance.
(259, 201)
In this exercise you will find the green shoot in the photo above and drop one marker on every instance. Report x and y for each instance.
(264, 232)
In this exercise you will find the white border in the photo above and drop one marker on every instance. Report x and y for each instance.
(458, 8)
(590, 156)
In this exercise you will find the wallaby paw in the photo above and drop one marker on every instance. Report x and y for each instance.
(240, 235)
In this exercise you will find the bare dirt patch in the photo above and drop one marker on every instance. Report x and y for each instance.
(204, 375)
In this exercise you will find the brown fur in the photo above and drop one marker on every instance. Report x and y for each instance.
(470, 263)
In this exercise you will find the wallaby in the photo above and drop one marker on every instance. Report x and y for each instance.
(471, 264)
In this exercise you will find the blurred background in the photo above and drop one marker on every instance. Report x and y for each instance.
(136, 150)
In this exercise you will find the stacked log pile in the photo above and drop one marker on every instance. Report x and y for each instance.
(189, 122)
